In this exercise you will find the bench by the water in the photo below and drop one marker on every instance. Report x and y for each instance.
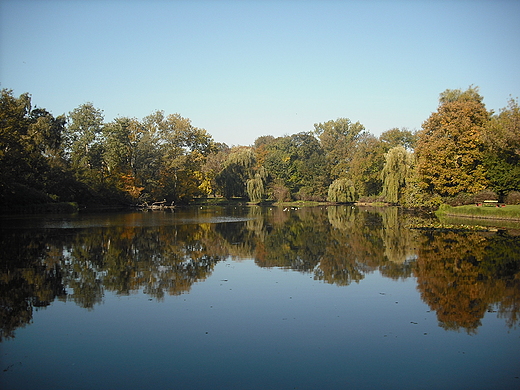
(491, 203)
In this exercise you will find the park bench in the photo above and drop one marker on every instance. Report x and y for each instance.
(491, 203)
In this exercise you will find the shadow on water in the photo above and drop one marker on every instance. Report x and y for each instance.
(460, 275)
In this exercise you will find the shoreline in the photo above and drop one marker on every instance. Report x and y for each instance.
(507, 213)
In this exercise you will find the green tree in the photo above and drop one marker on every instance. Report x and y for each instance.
(47, 135)
(148, 156)
(502, 152)
(30, 152)
(84, 144)
(14, 123)
(255, 188)
(366, 165)
(399, 137)
(237, 170)
(396, 172)
(213, 165)
(450, 147)
(342, 191)
(170, 157)
(183, 149)
(338, 139)
(297, 163)
(310, 179)
(279, 162)
(122, 140)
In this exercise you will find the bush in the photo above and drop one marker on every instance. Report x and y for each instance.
(372, 199)
(308, 194)
(512, 198)
(484, 195)
(464, 198)
(280, 192)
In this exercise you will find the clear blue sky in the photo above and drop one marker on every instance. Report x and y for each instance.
(242, 69)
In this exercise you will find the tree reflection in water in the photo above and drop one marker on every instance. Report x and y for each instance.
(460, 275)
(463, 275)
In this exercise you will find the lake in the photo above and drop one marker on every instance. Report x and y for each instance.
(256, 298)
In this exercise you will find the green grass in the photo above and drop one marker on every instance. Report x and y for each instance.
(242, 201)
(373, 204)
(509, 212)
(218, 201)
(300, 203)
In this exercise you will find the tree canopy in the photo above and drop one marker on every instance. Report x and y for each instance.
(450, 146)
(462, 149)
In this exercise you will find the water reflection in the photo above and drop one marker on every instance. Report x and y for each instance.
(459, 275)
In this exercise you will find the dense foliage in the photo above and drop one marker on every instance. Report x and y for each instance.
(463, 150)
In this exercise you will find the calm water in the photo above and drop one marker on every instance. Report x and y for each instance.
(256, 298)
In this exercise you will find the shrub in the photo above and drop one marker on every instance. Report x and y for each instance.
(464, 198)
(280, 192)
(484, 195)
(512, 198)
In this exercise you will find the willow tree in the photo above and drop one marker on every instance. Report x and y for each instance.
(342, 191)
(396, 172)
(238, 169)
(255, 188)
(450, 147)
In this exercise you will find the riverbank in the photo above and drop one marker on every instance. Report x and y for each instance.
(506, 213)
(42, 208)
(217, 201)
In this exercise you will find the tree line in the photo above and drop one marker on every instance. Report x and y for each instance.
(462, 153)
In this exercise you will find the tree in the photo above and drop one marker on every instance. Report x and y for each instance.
(366, 165)
(84, 144)
(14, 123)
(396, 172)
(148, 156)
(279, 163)
(213, 165)
(338, 139)
(450, 147)
(502, 152)
(297, 163)
(122, 139)
(342, 191)
(255, 188)
(170, 156)
(399, 137)
(238, 169)
(308, 158)
(30, 152)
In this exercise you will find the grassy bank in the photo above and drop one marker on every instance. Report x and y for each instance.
(218, 201)
(509, 212)
(243, 201)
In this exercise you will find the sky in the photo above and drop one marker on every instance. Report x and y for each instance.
(244, 69)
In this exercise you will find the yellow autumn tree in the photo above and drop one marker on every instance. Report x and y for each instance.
(450, 149)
